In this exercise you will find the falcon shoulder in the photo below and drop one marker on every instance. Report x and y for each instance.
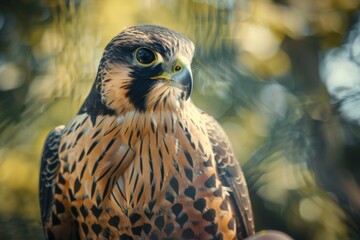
(48, 169)
(231, 176)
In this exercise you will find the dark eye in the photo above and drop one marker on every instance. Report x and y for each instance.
(145, 56)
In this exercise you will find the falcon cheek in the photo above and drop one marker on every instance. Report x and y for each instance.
(141, 86)
(114, 87)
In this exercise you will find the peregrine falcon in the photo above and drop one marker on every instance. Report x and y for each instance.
(140, 160)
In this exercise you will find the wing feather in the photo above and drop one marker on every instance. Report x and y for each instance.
(231, 177)
(48, 169)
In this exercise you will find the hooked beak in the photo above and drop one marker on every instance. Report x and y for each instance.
(180, 75)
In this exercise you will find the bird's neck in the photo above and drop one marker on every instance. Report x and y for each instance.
(139, 123)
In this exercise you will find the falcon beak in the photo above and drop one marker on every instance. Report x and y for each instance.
(180, 75)
(184, 79)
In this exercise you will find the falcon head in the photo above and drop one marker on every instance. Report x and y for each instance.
(144, 67)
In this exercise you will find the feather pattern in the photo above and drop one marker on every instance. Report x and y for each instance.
(155, 168)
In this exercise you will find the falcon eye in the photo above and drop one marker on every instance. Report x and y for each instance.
(145, 56)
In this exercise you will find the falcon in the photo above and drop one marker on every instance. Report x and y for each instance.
(140, 160)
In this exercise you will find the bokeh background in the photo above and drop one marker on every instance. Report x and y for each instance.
(281, 76)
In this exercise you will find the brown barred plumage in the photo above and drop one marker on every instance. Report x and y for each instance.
(140, 161)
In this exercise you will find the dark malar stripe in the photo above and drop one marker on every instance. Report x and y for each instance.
(141, 85)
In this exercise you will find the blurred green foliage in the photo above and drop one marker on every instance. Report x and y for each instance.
(256, 70)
